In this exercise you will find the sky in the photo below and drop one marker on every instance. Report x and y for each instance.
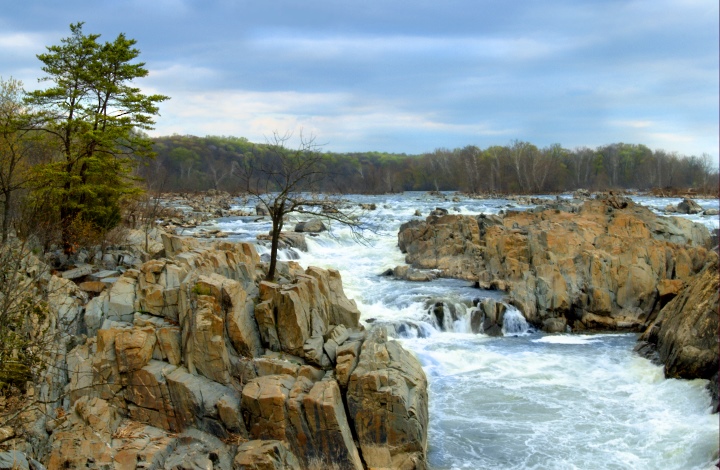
(408, 76)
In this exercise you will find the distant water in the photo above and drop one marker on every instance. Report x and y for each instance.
(525, 400)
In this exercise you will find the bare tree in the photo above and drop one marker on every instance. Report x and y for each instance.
(285, 181)
(16, 145)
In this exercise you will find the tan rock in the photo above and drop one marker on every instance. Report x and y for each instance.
(342, 311)
(265, 455)
(606, 259)
(92, 286)
(6, 433)
(148, 390)
(203, 333)
(670, 287)
(347, 358)
(273, 366)
(685, 331)
(168, 341)
(263, 399)
(139, 444)
(84, 438)
(387, 402)
(134, 348)
(328, 426)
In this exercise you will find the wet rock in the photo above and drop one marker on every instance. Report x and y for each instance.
(409, 273)
(689, 206)
(311, 226)
(597, 267)
(685, 331)
(438, 212)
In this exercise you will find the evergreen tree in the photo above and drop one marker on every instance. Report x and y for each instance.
(97, 119)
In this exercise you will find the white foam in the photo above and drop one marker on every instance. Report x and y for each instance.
(567, 339)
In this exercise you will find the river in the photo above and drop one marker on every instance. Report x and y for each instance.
(527, 399)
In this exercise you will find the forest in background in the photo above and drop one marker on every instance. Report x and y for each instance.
(190, 163)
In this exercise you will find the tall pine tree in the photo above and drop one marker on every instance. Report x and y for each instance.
(97, 119)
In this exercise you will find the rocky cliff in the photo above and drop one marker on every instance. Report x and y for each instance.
(684, 336)
(194, 362)
(605, 264)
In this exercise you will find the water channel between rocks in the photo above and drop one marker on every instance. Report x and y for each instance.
(525, 400)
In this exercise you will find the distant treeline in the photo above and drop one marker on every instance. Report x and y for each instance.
(189, 163)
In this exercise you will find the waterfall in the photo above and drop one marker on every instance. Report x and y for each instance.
(514, 323)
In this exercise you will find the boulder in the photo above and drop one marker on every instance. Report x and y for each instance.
(600, 265)
(309, 417)
(13, 460)
(288, 240)
(204, 404)
(134, 348)
(122, 299)
(203, 335)
(689, 206)
(263, 403)
(264, 455)
(328, 426)
(685, 331)
(388, 404)
(78, 272)
(289, 315)
(311, 226)
(83, 438)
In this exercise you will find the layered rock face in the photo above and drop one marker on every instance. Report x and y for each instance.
(192, 361)
(683, 337)
(606, 264)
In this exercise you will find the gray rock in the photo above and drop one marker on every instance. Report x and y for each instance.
(78, 272)
(688, 206)
(311, 226)
(13, 460)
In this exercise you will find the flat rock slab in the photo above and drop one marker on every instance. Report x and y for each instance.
(13, 460)
(102, 275)
(78, 272)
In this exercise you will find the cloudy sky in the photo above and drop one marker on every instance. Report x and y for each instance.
(409, 76)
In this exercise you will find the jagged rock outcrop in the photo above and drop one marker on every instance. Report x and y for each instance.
(387, 401)
(684, 335)
(606, 264)
(194, 361)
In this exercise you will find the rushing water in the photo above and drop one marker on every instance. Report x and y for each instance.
(525, 400)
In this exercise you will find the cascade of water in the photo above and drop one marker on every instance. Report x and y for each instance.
(514, 322)
(525, 401)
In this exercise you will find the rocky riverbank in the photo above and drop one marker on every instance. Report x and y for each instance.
(598, 265)
(193, 361)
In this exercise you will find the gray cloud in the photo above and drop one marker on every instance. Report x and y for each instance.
(410, 76)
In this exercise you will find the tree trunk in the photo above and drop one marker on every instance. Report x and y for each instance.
(275, 240)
